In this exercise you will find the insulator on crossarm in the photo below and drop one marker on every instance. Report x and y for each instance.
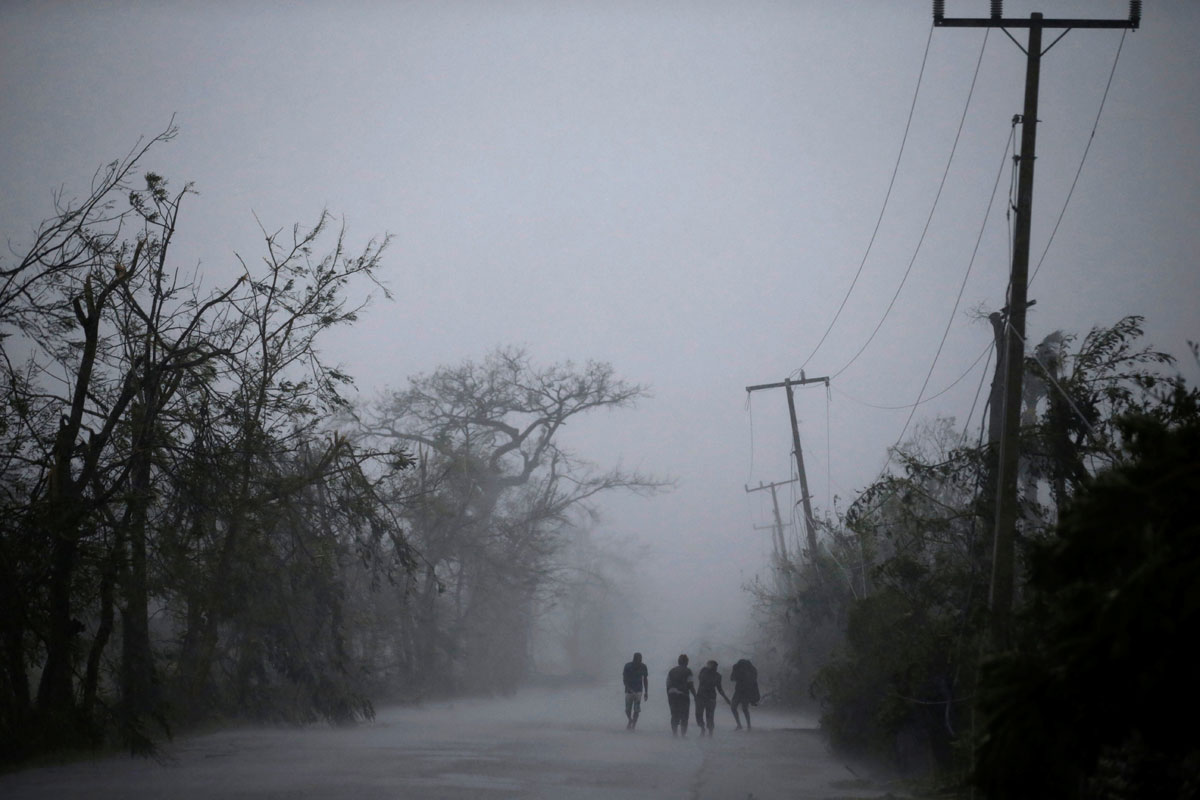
(997, 9)
(939, 10)
(1135, 12)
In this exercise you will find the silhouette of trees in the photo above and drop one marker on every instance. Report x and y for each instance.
(903, 575)
(166, 479)
(1097, 698)
(492, 502)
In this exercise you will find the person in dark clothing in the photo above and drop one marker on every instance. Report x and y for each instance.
(680, 690)
(745, 690)
(637, 689)
(708, 686)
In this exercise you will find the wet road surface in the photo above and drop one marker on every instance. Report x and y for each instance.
(560, 744)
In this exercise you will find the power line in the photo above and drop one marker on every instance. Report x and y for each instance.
(975, 402)
(932, 209)
(956, 381)
(946, 331)
(887, 196)
(828, 455)
(1091, 138)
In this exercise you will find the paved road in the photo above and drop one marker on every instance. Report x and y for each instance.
(560, 744)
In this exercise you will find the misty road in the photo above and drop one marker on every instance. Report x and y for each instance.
(537, 744)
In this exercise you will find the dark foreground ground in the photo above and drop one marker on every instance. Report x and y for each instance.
(561, 744)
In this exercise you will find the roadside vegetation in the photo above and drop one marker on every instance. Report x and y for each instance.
(887, 627)
(197, 525)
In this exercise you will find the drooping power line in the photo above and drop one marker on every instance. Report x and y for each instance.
(932, 209)
(886, 197)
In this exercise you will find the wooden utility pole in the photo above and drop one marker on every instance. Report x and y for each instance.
(1003, 556)
(780, 542)
(810, 528)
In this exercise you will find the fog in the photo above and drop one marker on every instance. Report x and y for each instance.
(691, 192)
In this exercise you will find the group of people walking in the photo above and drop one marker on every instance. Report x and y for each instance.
(682, 688)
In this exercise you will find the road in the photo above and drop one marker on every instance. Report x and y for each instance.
(561, 744)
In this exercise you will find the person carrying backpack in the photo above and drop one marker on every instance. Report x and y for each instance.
(745, 691)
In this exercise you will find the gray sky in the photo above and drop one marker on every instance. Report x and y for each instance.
(684, 189)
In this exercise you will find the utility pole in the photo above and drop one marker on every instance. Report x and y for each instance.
(1003, 556)
(810, 528)
(780, 542)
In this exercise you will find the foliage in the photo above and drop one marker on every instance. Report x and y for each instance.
(903, 576)
(1098, 699)
(1081, 396)
(494, 502)
(180, 533)
(899, 685)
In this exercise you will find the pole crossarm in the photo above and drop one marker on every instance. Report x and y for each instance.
(788, 382)
(810, 524)
(998, 20)
(761, 486)
(973, 22)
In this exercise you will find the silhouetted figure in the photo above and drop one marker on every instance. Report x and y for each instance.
(708, 686)
(680, 690)
(637, 688)
(745, 690)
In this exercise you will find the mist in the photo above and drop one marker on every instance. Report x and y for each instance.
(403, 384)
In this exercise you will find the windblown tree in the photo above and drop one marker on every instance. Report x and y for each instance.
(162, 452)
(905, 574)
(912, 556)
(492, 501)
(1077, 432)
(1097, 698)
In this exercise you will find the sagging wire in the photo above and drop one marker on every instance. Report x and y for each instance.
(974, 253)
(961, 288)
(932, 210)
(886, 197)
(1083, 159)
(978, 391)
(905, 406)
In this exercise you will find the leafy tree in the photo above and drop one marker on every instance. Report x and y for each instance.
(493, 501)
(1084, 396)
(1098, 698)
(898, 686)
(903, 577)
(162, 447)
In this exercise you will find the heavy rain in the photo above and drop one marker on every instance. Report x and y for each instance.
(379, 378)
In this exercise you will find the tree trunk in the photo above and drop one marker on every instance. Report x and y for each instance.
(138, 686)
(56, 691)
(91, 680)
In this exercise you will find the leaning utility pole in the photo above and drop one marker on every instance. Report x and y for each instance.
(810, 528)
(780, 542)
(1003, 558)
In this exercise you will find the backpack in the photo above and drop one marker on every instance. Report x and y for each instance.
(743, 672)
(745, 676)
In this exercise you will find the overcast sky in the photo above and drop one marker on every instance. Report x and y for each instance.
(684, 189)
